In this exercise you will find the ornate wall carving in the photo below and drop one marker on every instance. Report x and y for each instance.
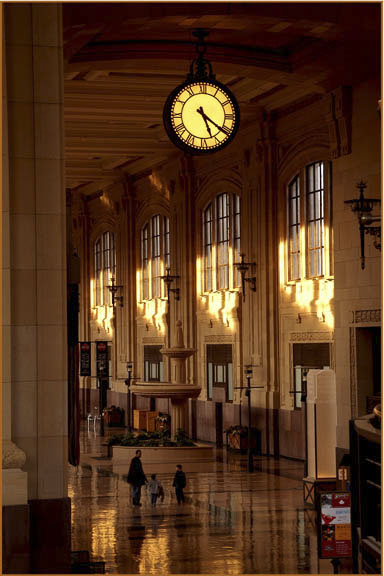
(153, 340)
(311, 336)
(219, 339)
(365, 316)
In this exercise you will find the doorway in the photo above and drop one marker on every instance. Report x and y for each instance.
(219, 424)
(368, 368)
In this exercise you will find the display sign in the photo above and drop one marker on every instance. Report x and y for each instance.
(85, 358)
(335, 536)
(102, 368)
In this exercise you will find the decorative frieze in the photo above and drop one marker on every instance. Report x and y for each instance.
(366, 316)
(219, 338)
(153, 340)
(311, 336)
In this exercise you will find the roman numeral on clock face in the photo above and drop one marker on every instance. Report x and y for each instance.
(203, 88)
(228, 117)
(179, 128)
(190, 140)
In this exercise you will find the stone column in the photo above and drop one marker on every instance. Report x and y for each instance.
(14, 479)
(37, 273)
(179, 415)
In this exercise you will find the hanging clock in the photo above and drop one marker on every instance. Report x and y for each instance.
(201, 115)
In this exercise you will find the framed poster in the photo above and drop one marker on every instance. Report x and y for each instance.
(85, 358)
(335, 535)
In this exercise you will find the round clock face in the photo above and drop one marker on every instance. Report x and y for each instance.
(201, 117)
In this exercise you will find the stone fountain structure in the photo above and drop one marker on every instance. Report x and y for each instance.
(177, 389)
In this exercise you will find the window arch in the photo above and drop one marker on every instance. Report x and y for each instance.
(308, 223)
(221, 242)
(155, 256)
(105, 267)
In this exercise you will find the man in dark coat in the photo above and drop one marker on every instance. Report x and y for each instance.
(136, 478)
(179, 482)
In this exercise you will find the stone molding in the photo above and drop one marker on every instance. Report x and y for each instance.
(365, 316)
(153, 340)
(13, 456)
(218, 339)
(310, 336)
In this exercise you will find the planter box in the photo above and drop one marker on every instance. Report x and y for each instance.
(161, 454)
(114, 417)
(237, 442)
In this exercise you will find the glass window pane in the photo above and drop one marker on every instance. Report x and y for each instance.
(229, 383)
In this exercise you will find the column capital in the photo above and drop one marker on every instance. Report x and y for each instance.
(13, 456)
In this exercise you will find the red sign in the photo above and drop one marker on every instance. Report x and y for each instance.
(335, 525)
(102, 368)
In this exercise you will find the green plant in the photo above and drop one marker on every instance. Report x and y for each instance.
(115, 440)
(143, 438)
(182, 439)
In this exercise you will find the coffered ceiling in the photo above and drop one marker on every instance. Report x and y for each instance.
(121, 60)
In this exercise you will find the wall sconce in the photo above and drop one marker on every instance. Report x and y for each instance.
(113, 288)
(363, 207)
(243, 267)
(168, 279)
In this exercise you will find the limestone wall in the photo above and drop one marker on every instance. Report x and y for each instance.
(263, 328)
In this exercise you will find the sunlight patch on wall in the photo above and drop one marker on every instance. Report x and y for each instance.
(323, 309)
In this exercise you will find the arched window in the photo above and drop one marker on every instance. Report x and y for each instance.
(307, 219)
(105, 267)
(221, 242)
(155, 256)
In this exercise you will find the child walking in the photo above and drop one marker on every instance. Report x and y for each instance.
(154, 487)
(179, 482)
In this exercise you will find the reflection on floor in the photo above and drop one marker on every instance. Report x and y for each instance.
(232, 522)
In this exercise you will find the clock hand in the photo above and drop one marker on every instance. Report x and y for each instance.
(201, 111)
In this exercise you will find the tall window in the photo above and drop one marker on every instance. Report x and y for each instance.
(221, 242)
(105, 267)
(315, 219)
(155, 256)
(306, 234)
(207, 239)
(294, 229)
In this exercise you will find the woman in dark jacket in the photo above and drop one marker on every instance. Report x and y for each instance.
(136, 478)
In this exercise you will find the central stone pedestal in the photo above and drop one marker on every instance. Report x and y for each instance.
(177, 389)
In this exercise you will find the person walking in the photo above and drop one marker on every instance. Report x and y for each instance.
(136, 478)
(179, 483)
(154, 487)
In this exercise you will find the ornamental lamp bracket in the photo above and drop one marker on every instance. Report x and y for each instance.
(114, 288)
(368, 223)
(243, 268)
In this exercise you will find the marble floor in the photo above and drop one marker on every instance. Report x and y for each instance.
(232, 522)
